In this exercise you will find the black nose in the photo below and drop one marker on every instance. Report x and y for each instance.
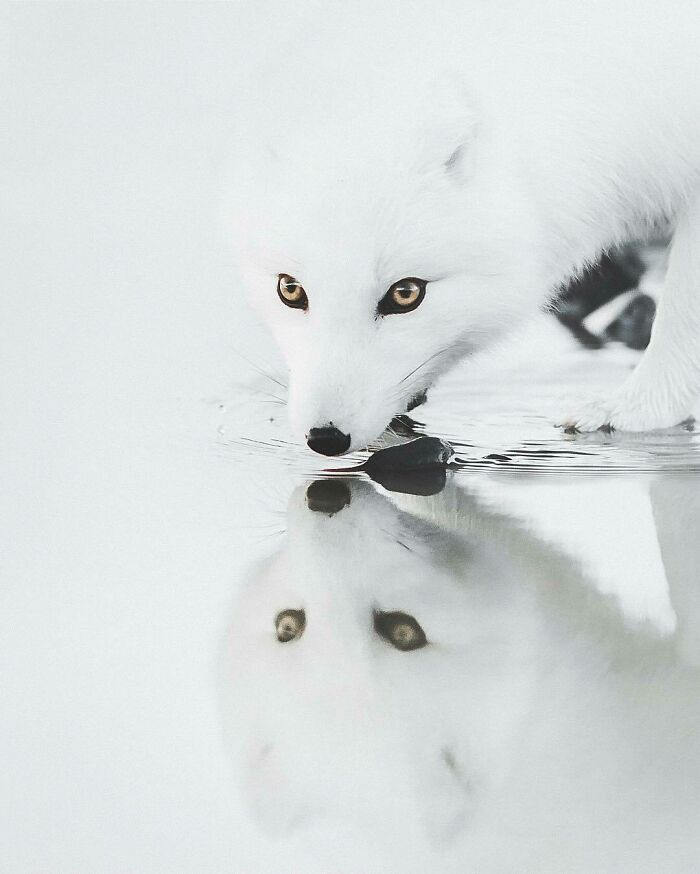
(328, 440)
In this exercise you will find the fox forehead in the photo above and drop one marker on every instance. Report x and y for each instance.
(365, 229)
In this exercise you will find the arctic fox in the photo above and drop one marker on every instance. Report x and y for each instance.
(411, 180)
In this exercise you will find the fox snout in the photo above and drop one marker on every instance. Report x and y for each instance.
(336, 415)
(352, 404)
(354, 427)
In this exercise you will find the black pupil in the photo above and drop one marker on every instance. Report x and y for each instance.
(399, 629)
(290, 624)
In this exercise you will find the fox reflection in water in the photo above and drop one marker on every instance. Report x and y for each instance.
(426, 674)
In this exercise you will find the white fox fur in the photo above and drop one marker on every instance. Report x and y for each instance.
(491, 148)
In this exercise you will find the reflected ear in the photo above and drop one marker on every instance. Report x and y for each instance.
(449, 129)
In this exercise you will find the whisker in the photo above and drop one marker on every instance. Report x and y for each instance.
(259, 370)
(271, 398)
(459, 347)
(426, 362)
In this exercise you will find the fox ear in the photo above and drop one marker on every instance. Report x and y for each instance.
(449, 129)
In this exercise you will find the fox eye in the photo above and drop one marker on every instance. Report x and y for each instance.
(403, 296)
(400, 630)
(290, 625)
(291, 292)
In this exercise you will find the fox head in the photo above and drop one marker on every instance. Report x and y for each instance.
(380, 248)
(329, 671)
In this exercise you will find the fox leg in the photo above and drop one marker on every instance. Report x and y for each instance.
(661, 390)
(676, 507)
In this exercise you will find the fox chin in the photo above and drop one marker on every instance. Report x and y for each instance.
(409, 184)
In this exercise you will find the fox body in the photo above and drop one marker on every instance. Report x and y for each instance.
(485, 152)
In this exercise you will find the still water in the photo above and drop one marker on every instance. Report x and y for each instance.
(498, 673)
(222, 653)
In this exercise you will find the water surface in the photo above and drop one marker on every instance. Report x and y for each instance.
(503, 675)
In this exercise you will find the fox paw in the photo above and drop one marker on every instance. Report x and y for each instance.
(621, 412)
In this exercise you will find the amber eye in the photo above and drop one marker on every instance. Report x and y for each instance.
(291, 292)
(403, 296)
(289, 625)
(400, 630)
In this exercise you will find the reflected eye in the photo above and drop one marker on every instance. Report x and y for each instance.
(403, 296)
(400, 630)
(291, 292)
(290, 625)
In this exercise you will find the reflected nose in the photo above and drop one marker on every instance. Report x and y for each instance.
(328, 440)
(327, 496)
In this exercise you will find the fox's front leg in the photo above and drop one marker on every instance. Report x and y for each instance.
(661, 391)
(676, 506)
